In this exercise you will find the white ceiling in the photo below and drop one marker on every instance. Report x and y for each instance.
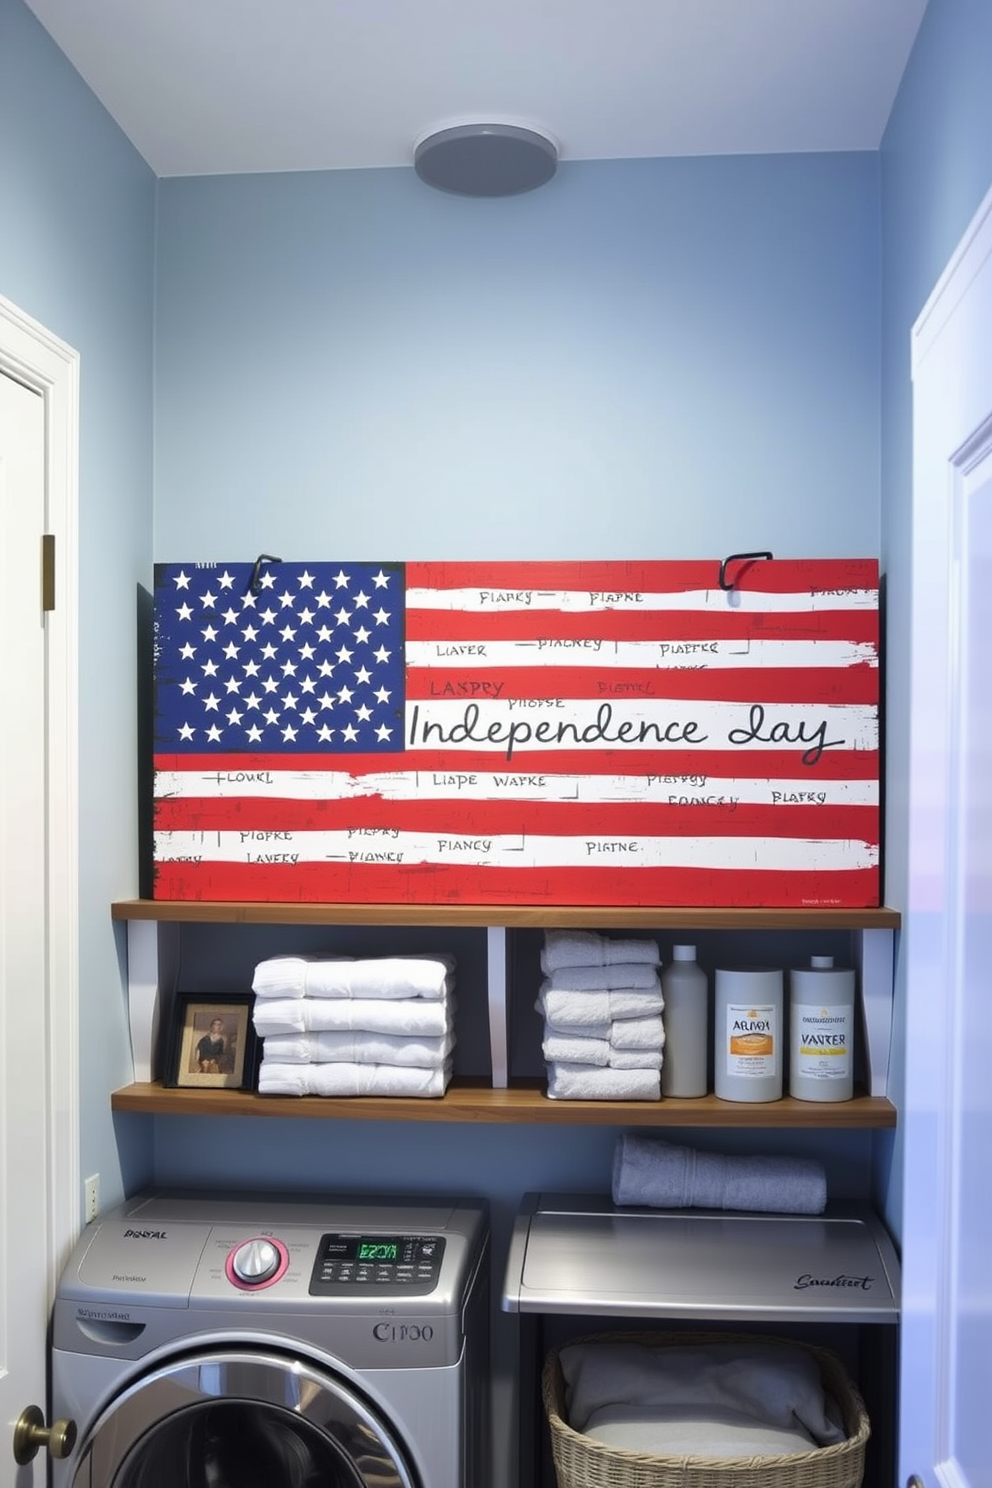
(215, 86)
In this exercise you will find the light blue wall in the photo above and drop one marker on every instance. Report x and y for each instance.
(658, 357)
(77, 208)
(651, 357)
(936, 167)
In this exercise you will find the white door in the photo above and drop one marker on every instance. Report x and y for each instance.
(945, 1435)
(39, 1199)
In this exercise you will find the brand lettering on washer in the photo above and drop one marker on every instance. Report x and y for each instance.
(145, 1234)
(403, 1332)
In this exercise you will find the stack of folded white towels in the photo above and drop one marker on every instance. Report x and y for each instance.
(601, 1003)
(343, 1026)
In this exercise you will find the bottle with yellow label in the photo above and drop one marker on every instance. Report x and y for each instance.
(821, 1039)
(749, 1006)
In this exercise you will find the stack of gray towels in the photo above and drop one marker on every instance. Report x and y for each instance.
(601, 1003)
(346, 1026)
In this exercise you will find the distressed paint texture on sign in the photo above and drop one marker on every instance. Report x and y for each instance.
(518, 733)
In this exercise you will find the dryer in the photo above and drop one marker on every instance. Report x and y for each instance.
(229, 1341)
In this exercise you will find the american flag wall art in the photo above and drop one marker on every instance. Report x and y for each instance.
(518, 733)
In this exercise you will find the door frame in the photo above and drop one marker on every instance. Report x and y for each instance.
(931, 1119)
(34, 356)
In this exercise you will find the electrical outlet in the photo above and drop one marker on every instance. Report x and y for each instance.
(91, 1197)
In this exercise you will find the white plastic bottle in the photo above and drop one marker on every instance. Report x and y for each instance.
(821, 1035)
(684, 1060)
(748, 1040)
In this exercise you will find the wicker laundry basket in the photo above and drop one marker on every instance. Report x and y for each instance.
(582, 1462)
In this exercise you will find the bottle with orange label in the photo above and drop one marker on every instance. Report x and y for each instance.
(749, 1019)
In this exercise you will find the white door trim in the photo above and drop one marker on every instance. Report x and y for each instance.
(952, 434)
(35, 357)
(962, 267)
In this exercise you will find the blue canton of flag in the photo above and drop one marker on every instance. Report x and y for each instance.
(312, 663)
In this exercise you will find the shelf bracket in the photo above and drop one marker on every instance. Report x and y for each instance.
(143, 1005)
(497, 978)
(875, 952)
(152, 959)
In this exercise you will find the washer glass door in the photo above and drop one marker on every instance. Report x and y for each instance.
(228, 1419)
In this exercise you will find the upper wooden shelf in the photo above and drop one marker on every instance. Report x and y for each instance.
(524, 1102)
(510, 916)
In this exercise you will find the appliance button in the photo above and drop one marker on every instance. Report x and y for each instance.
(255, 1262)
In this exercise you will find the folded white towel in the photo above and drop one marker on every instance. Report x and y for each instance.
(590, 1082)
(638, 1033)
(778, 1384)
(629, 1059)
(604, 978)
(388, 977)
(351, 1079)
(586, 948)
(358, 1048)
(596, 1028)
(569, 1049)
(573, 1048)
(414, 1016)
(581, 1009)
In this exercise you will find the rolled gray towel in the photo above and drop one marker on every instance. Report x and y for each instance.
(657, 1175)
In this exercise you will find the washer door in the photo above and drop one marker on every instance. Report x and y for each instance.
(231, 1419)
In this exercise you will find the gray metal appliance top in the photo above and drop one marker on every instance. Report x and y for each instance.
(342, 1253)
(580, 1254)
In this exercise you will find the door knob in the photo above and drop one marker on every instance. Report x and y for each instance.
(31, 1433)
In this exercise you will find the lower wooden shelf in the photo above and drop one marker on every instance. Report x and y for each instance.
(523, 1103)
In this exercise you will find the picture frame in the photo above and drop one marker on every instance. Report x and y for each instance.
(212, 1043)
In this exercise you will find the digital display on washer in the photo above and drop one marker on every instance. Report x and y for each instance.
(378, 1250)
(352, 1262)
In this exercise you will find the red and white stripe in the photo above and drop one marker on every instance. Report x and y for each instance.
(685, 800)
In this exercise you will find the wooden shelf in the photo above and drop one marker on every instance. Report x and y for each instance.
(523, 1103)
(512, 916)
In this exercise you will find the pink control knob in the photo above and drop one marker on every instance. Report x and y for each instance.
(257, 1262)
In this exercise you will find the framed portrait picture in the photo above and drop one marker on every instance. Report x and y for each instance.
(212, 1043)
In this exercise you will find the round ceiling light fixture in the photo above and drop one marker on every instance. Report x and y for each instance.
(485, 159)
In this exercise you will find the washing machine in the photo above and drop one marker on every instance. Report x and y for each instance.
(231, 1341)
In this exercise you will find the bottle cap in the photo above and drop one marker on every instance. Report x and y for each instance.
(821, 962)
(683, 953)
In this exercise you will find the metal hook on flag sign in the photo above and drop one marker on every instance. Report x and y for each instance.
(255, 582)
(737, 558)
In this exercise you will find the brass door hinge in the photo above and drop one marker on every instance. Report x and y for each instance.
(48, 571)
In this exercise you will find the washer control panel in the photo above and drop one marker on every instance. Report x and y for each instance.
(348, 1262)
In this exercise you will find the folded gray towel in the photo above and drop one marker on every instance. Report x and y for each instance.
(658, 1175)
